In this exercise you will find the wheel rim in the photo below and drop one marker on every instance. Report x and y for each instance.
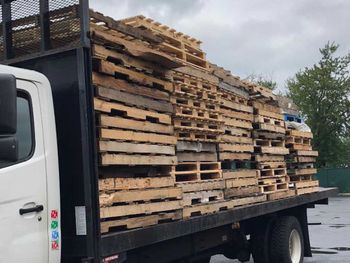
(295, 246)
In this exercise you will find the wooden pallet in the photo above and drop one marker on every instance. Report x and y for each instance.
(117, 71)
(198, 125)
(302, 171)
(307, 190)
(237, 123)
(239, 174)
(118, 109)
(297, 140)
(107, 159)
(301, 134)
(268, 158)
(269, 127)
(271, 165)
(266, 107)
(273, 188)
(197, 114)
(196, 171)
(271, 150)
(301, 159)
(237, 132)
(235, 106)
(301, 165)
(229, 147)
(236, 165)
(268, 135)
(301, 147)
(201, 197)
(196, 157)
(280, 195)
(140, 221)
(195, 103)
(224, 156)
(203, 185)
(268, 120)
(269, 143)
(272, 172)
(241, 182)
(269, 180)
(195, 136)
(113, 184)
(188, 91)
(139, 195)
(304, 153)
(215, 207)
(244, 191)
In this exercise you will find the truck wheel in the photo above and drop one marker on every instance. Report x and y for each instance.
(287, 242)
(259, 242)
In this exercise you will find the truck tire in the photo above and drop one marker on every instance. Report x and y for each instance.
(287, 242)
(259, 242)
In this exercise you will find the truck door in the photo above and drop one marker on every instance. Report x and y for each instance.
(23, 191)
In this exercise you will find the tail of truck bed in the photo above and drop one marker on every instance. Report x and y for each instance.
(53, 37)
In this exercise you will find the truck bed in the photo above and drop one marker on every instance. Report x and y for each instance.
(127, 240)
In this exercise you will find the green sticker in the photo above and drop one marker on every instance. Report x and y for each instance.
(54, 224)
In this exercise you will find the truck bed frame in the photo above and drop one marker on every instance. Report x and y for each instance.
(68, 67)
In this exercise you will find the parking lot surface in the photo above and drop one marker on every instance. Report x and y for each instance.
(329, 227)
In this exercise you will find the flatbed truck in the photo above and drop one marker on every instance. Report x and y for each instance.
(49, 208)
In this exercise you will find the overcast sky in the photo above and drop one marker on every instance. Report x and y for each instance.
(274, 38)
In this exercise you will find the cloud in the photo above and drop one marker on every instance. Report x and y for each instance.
(269, 37)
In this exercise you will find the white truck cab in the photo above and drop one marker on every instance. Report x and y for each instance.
(29, 175)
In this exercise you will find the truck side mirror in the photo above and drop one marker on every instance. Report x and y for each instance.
(8, 149)
(8, 104)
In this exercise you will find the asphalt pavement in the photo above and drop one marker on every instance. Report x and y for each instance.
(329, 227)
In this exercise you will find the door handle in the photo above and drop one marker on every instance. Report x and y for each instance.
(36, 209)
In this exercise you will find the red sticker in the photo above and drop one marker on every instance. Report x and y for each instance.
(54, 245)
(54, 214)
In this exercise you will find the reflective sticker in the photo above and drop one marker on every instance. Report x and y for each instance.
(55, 245)
(54, 224)
(54, 214)
(54, 235)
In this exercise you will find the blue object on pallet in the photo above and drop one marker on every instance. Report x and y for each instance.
(289, 117)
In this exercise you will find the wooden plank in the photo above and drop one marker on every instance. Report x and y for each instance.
(238, 91)
(237, 114)
(141, 221)
(124, 159)
(137, 209)
(241, 182)
(113, 70)
(125, 29)
(220, 205)
(131, 112)
(196, 156)
(268, 135)
(198, 74)
(237, 123)
(242, 173)
(236, 106)
(304, 171)
(123, 135)
(130, 124)
(302, 134)
(270, 114)
(134, 100)
(108, 199)
(202, 185)
(273, 150)
(236, 139)
(115, 54)
(135, 183)
(242, 191)
(306, 184)
(234, 131)
(268, 158)
(309, 190)
(307, 153)
(270, 127)
(202, 197)
(195, 146)
(234, 156)
(266, 107)
(113, 146)
(122, 85)
(236, 147)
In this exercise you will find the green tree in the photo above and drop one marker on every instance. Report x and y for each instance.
(322, 94)
(267, 82)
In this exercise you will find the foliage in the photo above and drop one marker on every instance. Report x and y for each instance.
(322, 93)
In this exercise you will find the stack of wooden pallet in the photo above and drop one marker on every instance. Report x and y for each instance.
(301, 162)
(136, 139)
(269, 142)
(175, 43)
(236, 144)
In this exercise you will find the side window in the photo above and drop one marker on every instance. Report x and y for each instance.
(24, 133)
